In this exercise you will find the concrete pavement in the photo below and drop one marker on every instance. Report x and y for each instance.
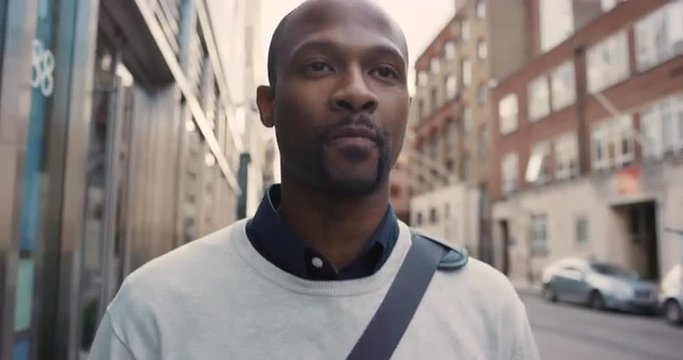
(569, 332)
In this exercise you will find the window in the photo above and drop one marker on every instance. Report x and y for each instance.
(608, 5)
(451, 86)
(481, 9)
(434, 99)
(563, 86)
(538, 166)
(482, 50)
(659, 36)
(607, 62)
(507, 113)
(566, 157)
(420, 108)
(483, 94)
(466, 72)
(581, 226)
(538, 235)
(422, 78)
(433, 217)
(599, 147)
(612, 143)
(449, 49)
(510, 171)
(556, 22)
(539, 98)
(434, 66)
(467, 121)
(483, 144)
(465, 29)
(662, 127)
(418, 219)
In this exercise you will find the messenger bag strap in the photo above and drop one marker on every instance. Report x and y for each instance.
(391, 320)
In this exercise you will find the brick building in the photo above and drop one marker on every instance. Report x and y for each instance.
(588, 141)
(448, 157)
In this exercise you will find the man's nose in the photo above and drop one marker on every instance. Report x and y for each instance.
(353, 94)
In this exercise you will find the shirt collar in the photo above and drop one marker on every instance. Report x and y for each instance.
(277, 242)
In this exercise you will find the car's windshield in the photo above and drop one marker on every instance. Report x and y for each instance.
(614, 270)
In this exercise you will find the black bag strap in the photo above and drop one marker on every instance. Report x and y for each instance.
(391, 320)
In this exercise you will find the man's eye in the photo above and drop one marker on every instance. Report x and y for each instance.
(386, 72)
(318, 66)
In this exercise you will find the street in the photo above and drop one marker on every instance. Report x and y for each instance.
(565, 331)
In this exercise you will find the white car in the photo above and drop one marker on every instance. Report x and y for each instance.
(671, 296)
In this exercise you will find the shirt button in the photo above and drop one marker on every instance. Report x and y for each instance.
(317, 262)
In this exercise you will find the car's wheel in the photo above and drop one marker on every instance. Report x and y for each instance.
(673, 312)
(549, 293)
(596, 301)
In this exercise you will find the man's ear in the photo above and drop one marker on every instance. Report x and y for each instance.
(265, 99)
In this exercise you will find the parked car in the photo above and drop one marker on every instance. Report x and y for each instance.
(599, 285)
(671, 296)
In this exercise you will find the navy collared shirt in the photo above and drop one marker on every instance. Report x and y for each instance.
(277, 242)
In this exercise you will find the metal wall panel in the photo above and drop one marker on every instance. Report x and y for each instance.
(80, 103)
(14, 114)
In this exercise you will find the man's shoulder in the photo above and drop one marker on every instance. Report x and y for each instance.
(182, 267)
(478, 280)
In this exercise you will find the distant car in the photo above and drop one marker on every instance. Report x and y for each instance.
(671, 296)
(599, 285)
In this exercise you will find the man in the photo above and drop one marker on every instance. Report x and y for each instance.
(304, 277)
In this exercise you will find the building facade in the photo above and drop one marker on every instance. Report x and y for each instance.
(118, 143)
(588, 141)
(451, 116)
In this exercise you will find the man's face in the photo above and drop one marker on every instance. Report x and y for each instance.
(341, 103)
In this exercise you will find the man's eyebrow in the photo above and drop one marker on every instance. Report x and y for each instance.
(332, 47)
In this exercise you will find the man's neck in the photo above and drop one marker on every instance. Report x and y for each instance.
(338, 228)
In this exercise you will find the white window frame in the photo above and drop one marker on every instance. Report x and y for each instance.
(509, 173)
(466, 72)
(556, 22)
(538, 98)
(422, 78)
(434, 65)
(563, 86)
(482, 49)
(608, 62)
(612, 134)
(481, 9)
(622, 133)
(451, 86)
(655, 130)
(659, 36)
(449, 50)
(508, 113)
(600, 140)
(538, 167)
(566, 154)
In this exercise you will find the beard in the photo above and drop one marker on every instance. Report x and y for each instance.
(345, 184)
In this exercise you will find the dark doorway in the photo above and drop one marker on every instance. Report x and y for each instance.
(642, 222)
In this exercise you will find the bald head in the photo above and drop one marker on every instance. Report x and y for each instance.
(313, 15)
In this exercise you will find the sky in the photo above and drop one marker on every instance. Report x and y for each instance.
(419, 29)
